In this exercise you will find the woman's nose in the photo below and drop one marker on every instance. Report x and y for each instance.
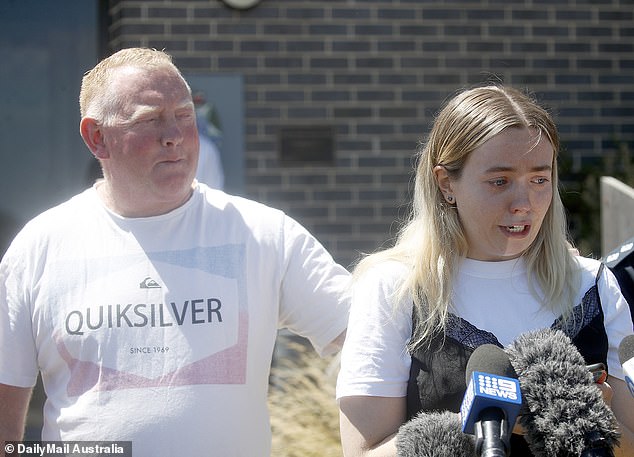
(520, 201)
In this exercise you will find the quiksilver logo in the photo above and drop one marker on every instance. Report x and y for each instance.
(149, 283)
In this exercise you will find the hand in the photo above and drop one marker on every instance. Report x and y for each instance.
(606, 391)
(518, 429)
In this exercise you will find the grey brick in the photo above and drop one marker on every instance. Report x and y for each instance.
(379, 70)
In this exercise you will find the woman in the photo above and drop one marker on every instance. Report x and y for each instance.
(483, 259)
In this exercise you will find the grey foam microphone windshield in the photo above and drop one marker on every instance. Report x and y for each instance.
(434, 434)
(564, 413)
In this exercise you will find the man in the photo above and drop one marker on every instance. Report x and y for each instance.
(150, 303)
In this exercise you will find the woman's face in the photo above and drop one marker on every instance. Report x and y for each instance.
(503, 193)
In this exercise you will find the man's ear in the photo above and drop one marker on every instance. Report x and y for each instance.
(92, 134)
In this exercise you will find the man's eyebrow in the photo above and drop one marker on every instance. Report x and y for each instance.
(186, 104)
(142, 110)
(501, 168)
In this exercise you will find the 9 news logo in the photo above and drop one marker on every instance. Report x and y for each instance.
(497, 387)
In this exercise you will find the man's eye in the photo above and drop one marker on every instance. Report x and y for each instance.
(147, 120)
(498, 181)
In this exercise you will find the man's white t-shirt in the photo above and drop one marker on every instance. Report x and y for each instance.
(161, 330)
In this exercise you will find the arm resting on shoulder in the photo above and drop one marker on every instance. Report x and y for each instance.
(369, 425)
(14, 403)
(623, 408)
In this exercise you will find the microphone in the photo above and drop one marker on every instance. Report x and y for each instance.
(433, 434)
(626, 357)
(564, 414)
(492, 400)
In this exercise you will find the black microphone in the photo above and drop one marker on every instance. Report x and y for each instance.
(626, 357)
(492, 400)
(433, 434)
(564, 413)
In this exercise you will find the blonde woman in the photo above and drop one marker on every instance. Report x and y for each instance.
(484, 258)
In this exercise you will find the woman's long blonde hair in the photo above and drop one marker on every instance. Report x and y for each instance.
(432, 242)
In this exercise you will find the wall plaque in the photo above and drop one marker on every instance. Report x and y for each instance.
(307, 145)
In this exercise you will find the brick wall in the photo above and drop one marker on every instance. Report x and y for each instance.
(377, 70)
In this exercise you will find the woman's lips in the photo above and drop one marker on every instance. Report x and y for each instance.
(516, 230)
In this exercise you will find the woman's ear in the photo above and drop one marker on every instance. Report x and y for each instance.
(92, 134)
(444, 183)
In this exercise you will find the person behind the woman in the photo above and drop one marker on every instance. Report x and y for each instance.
(483, 258)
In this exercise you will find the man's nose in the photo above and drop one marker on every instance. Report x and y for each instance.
(172, 134)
